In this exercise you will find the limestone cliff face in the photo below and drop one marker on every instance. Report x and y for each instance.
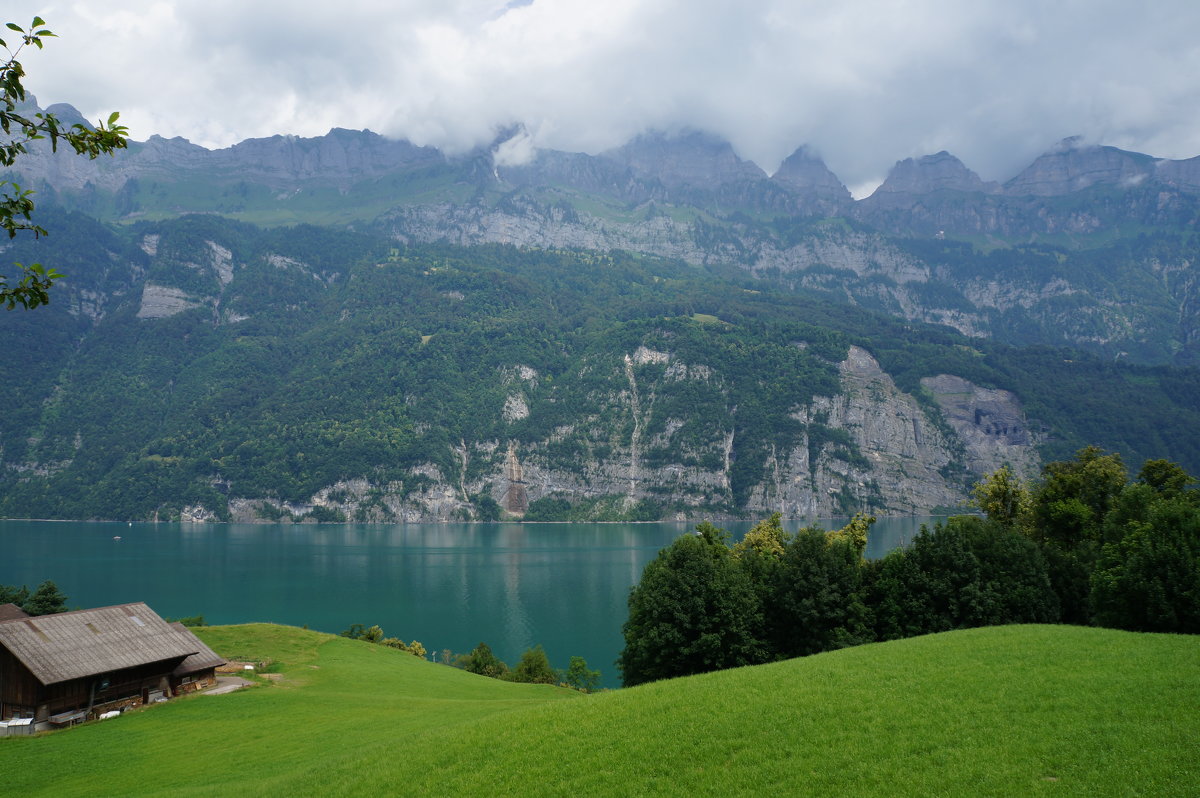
(807, 175)
(940, 172)
(990, 424)
(160, 301)
(901, 454)
(869, 447)
(906, 453)
(1070, 167)
(1183, 175)
(694, 160)
(526, 223)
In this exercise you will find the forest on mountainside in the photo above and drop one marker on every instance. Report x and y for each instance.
(197, 359)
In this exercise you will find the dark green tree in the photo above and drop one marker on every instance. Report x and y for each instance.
(1067, 518)
(481, 660)
(1074, 497)
(534, 668)
(1148, 579)
(760, 555)
(47, 599)
(968, 572)
(1165, 477)
(815, 598)
(694, 610)
(1070, 572)
(11, 594)
(16, 204)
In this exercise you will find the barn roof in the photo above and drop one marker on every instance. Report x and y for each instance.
(201, 660)
(71, 645)
(10, 611)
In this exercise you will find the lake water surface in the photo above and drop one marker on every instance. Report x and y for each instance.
(448, 585)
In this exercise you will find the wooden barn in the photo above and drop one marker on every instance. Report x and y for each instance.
(72, 666)
(197, 671)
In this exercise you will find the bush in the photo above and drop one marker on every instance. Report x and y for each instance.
(534, 668)
(481, 660)
(355, 631)
(415, 648)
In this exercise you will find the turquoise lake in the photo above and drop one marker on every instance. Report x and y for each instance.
(448, 585)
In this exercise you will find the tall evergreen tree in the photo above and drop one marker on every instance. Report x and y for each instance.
(47, 599)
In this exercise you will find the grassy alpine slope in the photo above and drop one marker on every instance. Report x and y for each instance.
(1026, 710)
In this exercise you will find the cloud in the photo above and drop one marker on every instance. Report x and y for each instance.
(516, 151)
(863, 83)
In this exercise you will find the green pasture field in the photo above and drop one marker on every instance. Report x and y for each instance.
(1020, 710)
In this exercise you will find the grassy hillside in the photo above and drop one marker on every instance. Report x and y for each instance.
(1034, 710)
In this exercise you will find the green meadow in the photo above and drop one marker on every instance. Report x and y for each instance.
(1018, 710)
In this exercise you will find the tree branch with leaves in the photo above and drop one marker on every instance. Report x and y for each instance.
(32, 287)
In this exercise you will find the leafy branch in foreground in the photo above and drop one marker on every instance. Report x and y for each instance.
(16, 205)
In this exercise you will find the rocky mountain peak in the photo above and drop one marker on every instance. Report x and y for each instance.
(805, 173)
(1073, 166)
(68, 115)
(341, 155)
(938, 172)
(691, 159)
(1183, 175)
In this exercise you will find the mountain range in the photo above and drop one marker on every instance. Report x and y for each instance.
(351, 327)
(1089, 246)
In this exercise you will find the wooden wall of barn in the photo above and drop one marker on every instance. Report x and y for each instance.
(18, 687)
(22, 694)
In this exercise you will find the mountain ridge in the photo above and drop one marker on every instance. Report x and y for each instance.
(1090, 247)
(691, 158)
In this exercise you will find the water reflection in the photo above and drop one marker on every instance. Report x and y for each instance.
(448, 585)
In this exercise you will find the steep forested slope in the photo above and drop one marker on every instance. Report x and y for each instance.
(207, 368)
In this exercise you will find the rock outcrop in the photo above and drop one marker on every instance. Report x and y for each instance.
(692, 160)
(160, 301)
(870, 447)
(1071, 167)
(939, 172)
(990, 424)
(817, 190)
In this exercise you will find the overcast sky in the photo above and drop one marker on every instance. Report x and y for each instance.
(864, 83)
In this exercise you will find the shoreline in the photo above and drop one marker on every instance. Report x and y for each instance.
(696, 520)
